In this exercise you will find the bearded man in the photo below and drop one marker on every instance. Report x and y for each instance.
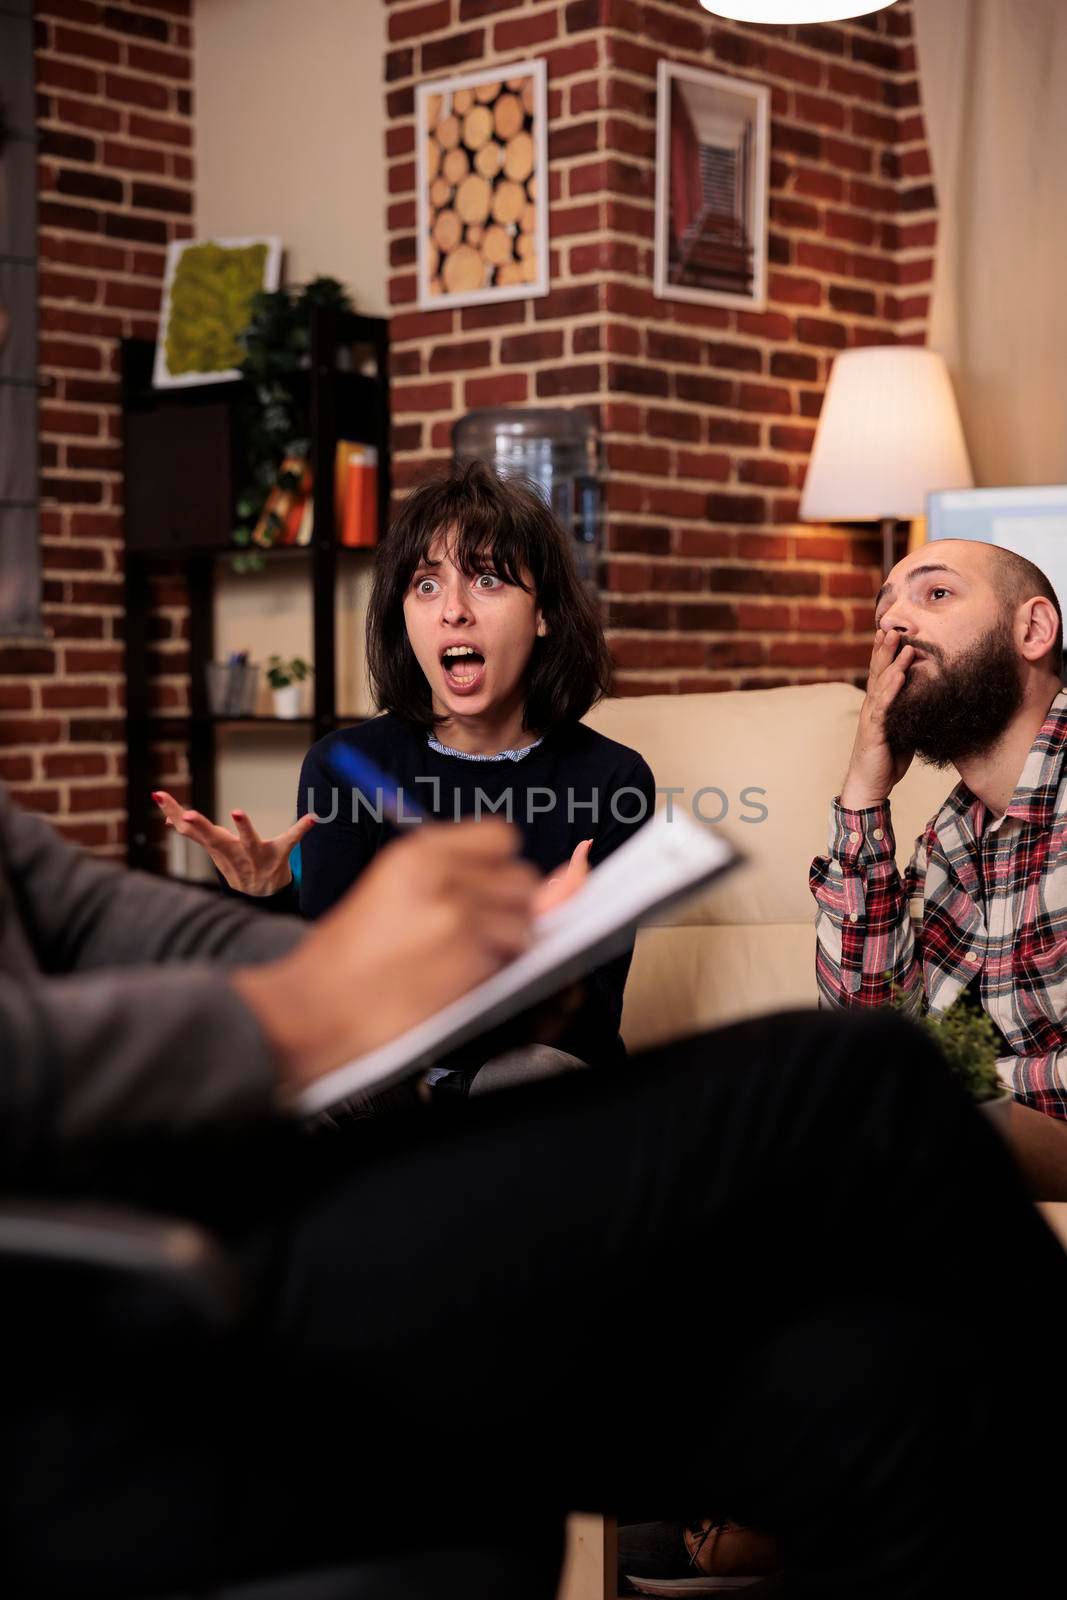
(966, 671)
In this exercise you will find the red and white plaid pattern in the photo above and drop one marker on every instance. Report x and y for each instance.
(975, 899)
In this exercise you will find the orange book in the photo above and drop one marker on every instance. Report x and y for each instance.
(294, 519)
(359, 520)
(346, 449)
(280, 519)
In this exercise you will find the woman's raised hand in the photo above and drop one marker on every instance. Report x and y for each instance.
(248, 863)
(552, 891)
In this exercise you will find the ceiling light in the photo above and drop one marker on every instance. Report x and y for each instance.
(784, 11)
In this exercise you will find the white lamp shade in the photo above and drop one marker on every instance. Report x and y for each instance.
(889, 434)
(784, 11)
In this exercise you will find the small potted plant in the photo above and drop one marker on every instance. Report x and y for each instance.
(285, 678)
(968, 1041)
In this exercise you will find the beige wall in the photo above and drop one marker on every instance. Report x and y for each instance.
(290, 128)
(994, 86)
(269, 613)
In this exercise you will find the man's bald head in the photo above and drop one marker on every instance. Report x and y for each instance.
(1015, 579)
(986, 629)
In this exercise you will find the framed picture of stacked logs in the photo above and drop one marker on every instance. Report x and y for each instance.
(711, 187)
(482, 185)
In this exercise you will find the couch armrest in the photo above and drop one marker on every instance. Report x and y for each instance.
(1039, 1145)
(177, 1257)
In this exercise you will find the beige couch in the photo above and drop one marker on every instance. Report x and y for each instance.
(747, 946)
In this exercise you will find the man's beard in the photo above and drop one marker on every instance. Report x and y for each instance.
(962, 708)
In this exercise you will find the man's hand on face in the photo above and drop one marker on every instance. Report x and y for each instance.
(433, 915)
(874, 769)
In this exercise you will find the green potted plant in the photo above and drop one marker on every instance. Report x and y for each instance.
(285, 678)
(275, 423)
(969, 1044)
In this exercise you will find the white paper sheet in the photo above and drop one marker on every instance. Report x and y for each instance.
(665, 862)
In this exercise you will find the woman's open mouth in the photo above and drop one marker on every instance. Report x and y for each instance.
(464, 668)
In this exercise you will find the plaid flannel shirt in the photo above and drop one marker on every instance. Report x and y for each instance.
(975, 899)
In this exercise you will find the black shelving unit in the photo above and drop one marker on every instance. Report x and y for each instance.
(181, 451)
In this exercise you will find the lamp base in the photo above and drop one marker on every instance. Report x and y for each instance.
(889, 545)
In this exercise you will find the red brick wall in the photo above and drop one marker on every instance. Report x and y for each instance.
(115, 185)
(707, 414)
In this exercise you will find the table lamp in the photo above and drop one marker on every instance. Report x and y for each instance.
(888, 435)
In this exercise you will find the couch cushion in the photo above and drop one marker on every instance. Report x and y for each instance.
(778, 751)
(684, 980)
(748, 945)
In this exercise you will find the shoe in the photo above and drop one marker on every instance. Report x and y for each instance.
(720, 1548)
(711, 1556)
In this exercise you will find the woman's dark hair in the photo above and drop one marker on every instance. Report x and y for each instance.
(503, 524)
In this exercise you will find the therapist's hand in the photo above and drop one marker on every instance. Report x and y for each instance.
(247, 862)
(433, 915)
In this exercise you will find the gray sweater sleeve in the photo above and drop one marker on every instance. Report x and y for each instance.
(115, 1010)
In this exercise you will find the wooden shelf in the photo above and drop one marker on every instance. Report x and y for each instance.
(181, 719)
(184, 448)
(219, 552)
(257, 721)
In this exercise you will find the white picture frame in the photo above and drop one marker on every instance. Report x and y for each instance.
(712, 255)
(163, 377)
(461, 256)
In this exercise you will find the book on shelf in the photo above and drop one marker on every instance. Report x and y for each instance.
(356, 494)
(307, 520)
(286, 514)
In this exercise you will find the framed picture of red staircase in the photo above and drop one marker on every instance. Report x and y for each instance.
(711, 187)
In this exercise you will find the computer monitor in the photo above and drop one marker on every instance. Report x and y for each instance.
(1030, 521)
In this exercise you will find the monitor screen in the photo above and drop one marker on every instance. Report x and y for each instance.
(1032, 522)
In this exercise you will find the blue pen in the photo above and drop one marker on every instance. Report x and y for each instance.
(378, 789)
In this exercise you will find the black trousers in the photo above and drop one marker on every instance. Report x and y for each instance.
(782, 1272)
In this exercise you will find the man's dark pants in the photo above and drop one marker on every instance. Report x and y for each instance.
(783, 1271)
